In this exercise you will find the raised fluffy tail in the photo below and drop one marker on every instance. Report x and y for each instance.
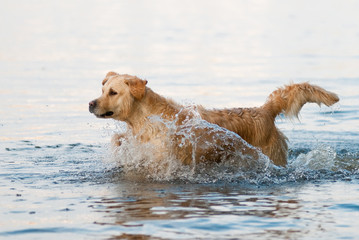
(290, 99)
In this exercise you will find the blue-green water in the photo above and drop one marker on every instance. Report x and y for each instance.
(58, 178)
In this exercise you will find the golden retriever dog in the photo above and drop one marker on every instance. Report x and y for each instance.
(127, 98)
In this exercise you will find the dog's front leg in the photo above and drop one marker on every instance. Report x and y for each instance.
(117, 139)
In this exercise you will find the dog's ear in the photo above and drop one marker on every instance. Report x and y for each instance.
(109, 74)
(137, 87)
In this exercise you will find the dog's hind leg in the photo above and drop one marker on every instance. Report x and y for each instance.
(277, 148)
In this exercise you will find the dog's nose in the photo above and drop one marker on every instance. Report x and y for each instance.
(92, 103)
(92, 106)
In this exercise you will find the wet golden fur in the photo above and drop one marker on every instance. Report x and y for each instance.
(127, 98)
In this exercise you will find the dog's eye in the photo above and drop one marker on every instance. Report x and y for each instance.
(112, 92)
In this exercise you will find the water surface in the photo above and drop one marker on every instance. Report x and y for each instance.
(58, 178)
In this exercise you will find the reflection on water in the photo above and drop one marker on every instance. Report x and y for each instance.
(163, 204)
(221, 212)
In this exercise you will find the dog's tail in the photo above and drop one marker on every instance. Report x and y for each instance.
(290, 99)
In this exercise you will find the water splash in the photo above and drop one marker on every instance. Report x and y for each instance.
(321, 158)
(240, 162)
(232, 157)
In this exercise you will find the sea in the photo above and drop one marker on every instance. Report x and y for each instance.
(59, 176)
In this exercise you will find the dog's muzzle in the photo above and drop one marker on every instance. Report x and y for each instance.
(92, 106)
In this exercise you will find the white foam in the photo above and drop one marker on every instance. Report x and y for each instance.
(320, 158)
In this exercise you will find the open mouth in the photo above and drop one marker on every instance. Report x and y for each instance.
(107, 114)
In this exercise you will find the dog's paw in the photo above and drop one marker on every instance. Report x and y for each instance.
(117, 139)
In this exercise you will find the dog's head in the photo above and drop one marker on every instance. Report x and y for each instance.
(119, 92)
